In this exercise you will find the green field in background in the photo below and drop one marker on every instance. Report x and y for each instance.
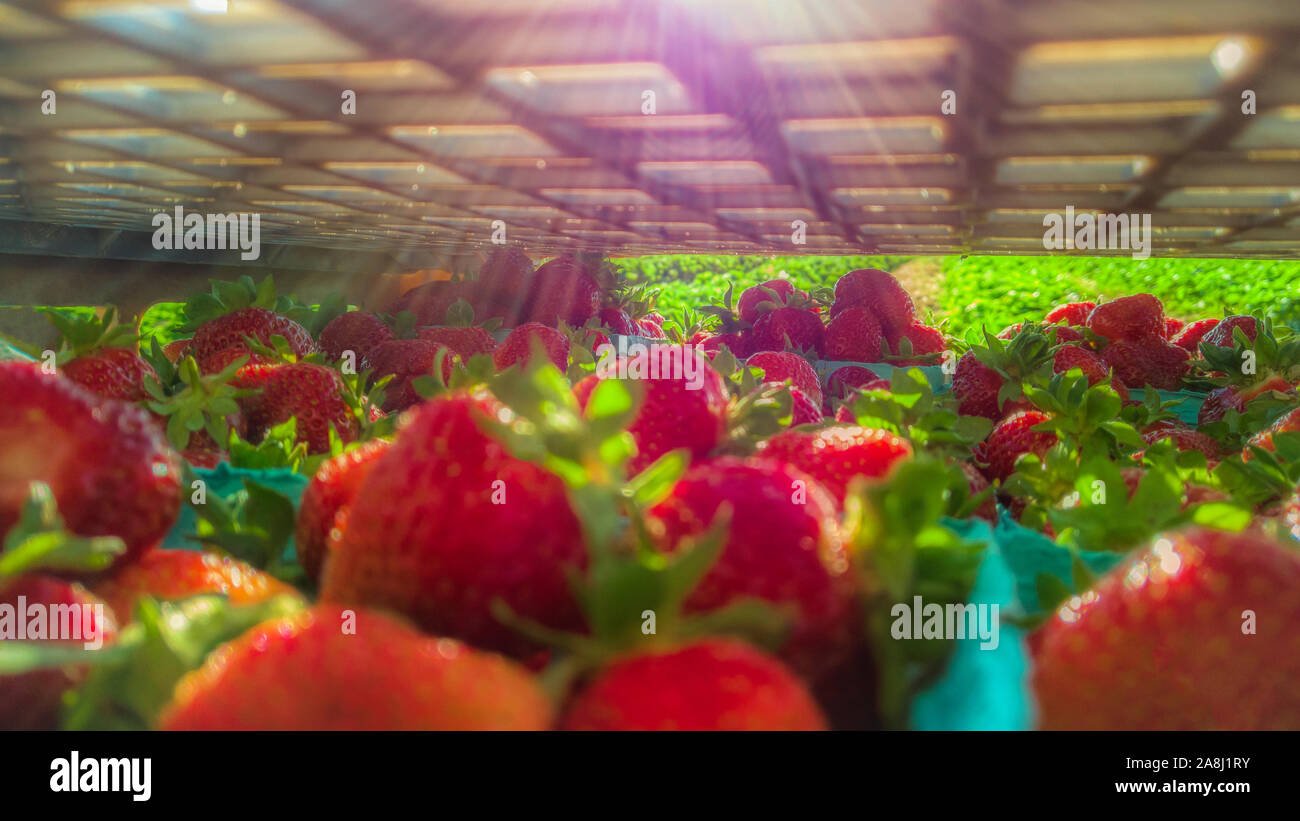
(996, 291)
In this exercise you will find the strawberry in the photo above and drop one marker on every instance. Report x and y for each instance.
(105, 461)
(1173, 327)
(750, 298)
(854, 335)
(709, 684)
(788, 327)
(843, 381)
(1012, 438)
(655, 318)
(783, 545)
(447, 521)
(518, 346)
(1186, 439)
(925, 342)
(563, 291)
(355, 331)
(1163, 641)
(113, 373)
(736, 342)
(1065, 334)
(1068, 357)
(333, 669)
(406, 360)
(226, 334)
(1011, 330)
(314, 395)
(834, 456)
(429, 302)
(1287, 423)
(1189, 338)
(465, 341)
(177, 350)
(32, 700)
(503, 285)
(332, 488)
(1129, 318)
(169, 575)
(677, 411)
(648, 329)
(616, 319)
(781, 366)
(1070, 313)
(1149, 361)
(988, 509)
(805, 411)
(878, 291)
(976, 386)
(1221, 334)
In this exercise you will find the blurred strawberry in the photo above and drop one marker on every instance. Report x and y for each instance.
(1129, 319)
(355, 331)
(1070, 313)
(1189, 338)
(834, 456)
(854, 335)
(518, 346)
(779, 366)
(407, 360)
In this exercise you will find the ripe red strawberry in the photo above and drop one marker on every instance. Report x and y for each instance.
(465, 342)
(518, 346)
(32, 700)
(1070, 313)
(355, 331)
(1012, 438)
(779, 366)
(1150, 361)
(594, 340)
(747, 305)
(429, 302)
(976, 386)
(834, 456)
(854, 335)
(655, 318)
(1065, 334)
(616, 319)
(783, 546)
(1189, 338)
(1219, 401)
(113, 373)
(563, 291)
(1287, 423)
(312, 671)
(177, 350)
(788, 327)
(314, 395)
(1186, 439)
(1173, 326)
(805, 411)
(447, 521)
(1169, 641)
(878, 291)
(169, 575)
(227, 333)
(843, 381)
(406, 360)
(736, 342)
(1221, 334)
(709, 684)
(333, 488)
(105, 461)
(507, 272)
(925, 342)
(1011, 330)
(680, 409)
(1129, 318)
(988, 509)
(648, 329)
(1072, 356)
